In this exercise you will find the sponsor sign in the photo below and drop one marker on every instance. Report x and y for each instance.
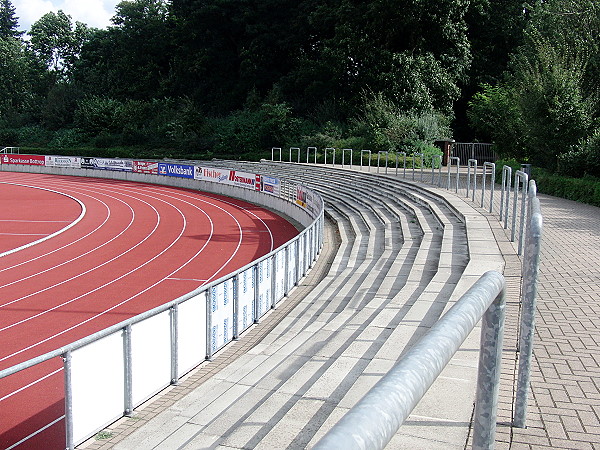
(27, 160)
(307, 199)
(87, 163)
(212, 174)
(176, 170)
(63, 161)
(242, 179)
(271, 185)
(123, 165)
(145, 167)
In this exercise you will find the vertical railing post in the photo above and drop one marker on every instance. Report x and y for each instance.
(505, 194)
(471, 163)
(69, 440)
(362, 152)
(492, 167)
(174, 324)
(531, 263)
(128, 372)
(457, 160)
(437, 158)
(294, 148)
(488, 377)
(521, 179)
(236, 306)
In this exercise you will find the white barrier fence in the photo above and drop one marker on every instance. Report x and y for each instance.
(108, 374)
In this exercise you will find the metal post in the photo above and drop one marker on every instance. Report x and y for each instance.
(361, 158)
(505, 193)
(531, 263)
(294, 148)
(374, 420)
(492, 167)
(69, 440)
(344, 150)
(433, 164)
(521, 179)
(333, 152)
(471, 163)
(174, 313)
(128, 371)
(383, 152)
(236, 306)
(488, 377)
(457, 159)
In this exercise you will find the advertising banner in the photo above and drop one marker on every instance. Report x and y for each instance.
(245, 316)
(63, 161)
(27, 160)
(221, 307)
(243, 179)
(307, 199)
(264, 286)
(145, 167)
(176, 170)
(212, 174)
(121, 165)
(271, 185)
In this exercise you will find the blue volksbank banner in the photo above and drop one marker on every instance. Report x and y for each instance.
(176, 170)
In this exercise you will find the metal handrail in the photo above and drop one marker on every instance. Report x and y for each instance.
(372, 422)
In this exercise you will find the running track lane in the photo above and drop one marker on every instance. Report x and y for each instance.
(116, 249)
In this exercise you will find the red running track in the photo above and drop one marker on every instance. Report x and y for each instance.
(80, 254)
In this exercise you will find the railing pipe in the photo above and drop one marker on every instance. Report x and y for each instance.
(471, 163)
(521, 179)
(531, 263)
(333, 153)
(308, 153)
(492, 167)
(505, 193)
(457, 160)
(372, 423)
(344, 150)
(437, 158)
(382, 152)
(294, 148)
(362, 152)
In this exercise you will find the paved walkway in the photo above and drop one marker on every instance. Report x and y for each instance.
(564, 409)
(564, 402)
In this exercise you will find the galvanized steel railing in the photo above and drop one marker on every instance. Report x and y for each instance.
(234, 302)
(372, 422)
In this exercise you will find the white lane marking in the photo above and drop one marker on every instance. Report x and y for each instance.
(35, 433)
(24, 234)
(34, 221)
(79, 256)
(70, 243)
(50, 236)
(128, 299)
(33, 383)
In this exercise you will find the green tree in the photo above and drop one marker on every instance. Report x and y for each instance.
(22, 82)
(57, 42)
(550, 92)
(8, 21)
(131, 59)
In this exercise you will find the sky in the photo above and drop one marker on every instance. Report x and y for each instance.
(94, 13)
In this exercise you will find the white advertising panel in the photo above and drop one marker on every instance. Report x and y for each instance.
(63, 161)
(244, 179)
(279, 275)
(271, 185)
(151, 350)
(221, 306)
(212, 174)
(264, 286)
(246, 313)
(98, 385)
(191, 333)
(292, 249)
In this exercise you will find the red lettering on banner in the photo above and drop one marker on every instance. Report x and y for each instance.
(27, 160)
